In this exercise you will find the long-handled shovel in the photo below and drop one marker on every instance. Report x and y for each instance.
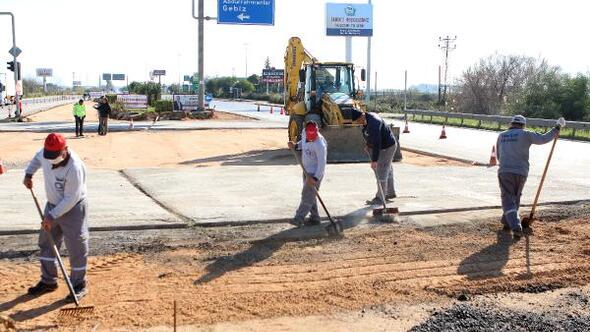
(65, 311)
(384, 214)
(527, 221)
(334, 228)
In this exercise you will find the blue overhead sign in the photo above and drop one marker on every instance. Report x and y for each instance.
(253, 12)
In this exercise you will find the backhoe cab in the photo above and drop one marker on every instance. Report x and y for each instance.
(324, 92)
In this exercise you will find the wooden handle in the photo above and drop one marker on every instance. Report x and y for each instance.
(543, 178)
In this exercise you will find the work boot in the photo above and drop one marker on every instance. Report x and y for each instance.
(517, 233)
(390, 196)
(80, 290)
(41, 288)
(313, 221)
(374, 201)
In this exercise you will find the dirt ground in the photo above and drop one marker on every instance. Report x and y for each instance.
(271, 277)
(404, 276)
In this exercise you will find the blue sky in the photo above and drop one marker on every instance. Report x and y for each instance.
(88, 37)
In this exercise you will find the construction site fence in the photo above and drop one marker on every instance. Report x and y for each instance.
(574, 129)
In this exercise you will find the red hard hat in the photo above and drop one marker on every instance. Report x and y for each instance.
(54, 144)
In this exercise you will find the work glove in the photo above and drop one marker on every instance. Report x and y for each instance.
(560, 123)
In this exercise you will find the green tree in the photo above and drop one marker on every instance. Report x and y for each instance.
(254, 79)
(150, 89)
(267, 63)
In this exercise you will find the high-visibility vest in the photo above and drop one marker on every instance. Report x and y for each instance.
(79, 110)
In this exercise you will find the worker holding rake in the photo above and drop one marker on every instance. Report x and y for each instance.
(314, 156)
(381, 146)
(65, 216)
(513, 153)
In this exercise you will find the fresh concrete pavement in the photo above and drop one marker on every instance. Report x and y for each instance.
(136, 198)
(225, 195)
(114, 202)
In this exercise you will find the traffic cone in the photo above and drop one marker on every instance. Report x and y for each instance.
(406, 129)
(443, 133)
(493, 157)
(131, 126)
(271, 111)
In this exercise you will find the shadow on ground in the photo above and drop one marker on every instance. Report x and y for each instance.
(23, 315)
(261, 250)
(250, 158)
(490, 261)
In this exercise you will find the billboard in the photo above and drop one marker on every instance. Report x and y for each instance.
(133, 101)
(106, 77)
(185, 103)
(96, 94)
(159, 72)
(77, 83)
(354, 19)
(118, 77)
(44, 72)
(273, 75)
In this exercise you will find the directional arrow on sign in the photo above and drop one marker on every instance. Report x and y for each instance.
(15, 51)
(243, 17)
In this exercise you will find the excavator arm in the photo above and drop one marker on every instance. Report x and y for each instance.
(295, 56)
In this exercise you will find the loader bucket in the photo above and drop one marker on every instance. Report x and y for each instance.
(346, 143)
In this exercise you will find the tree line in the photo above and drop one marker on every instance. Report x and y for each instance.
(513, 84)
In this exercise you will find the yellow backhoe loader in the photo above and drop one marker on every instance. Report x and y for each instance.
(324, 92)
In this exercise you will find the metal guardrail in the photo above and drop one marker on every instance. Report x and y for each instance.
(500, 119)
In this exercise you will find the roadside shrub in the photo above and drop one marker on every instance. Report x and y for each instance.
(163, 106)
(112, 98)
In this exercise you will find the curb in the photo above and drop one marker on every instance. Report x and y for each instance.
(192, 224)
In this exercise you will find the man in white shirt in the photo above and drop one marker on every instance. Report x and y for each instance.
(313, 156)
(65, 215)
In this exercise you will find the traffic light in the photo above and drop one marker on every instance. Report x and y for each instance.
(11, 67)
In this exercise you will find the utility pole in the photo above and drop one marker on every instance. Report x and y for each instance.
(439, 87)
(446, 44)
(17, 113)
(246, 51)
(201, 45)
(405, 90)
(368, 92)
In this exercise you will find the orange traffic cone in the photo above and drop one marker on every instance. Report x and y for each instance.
(443, 133)
(406, 129)
(131, 126)
(271, 111)
(493, 157)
